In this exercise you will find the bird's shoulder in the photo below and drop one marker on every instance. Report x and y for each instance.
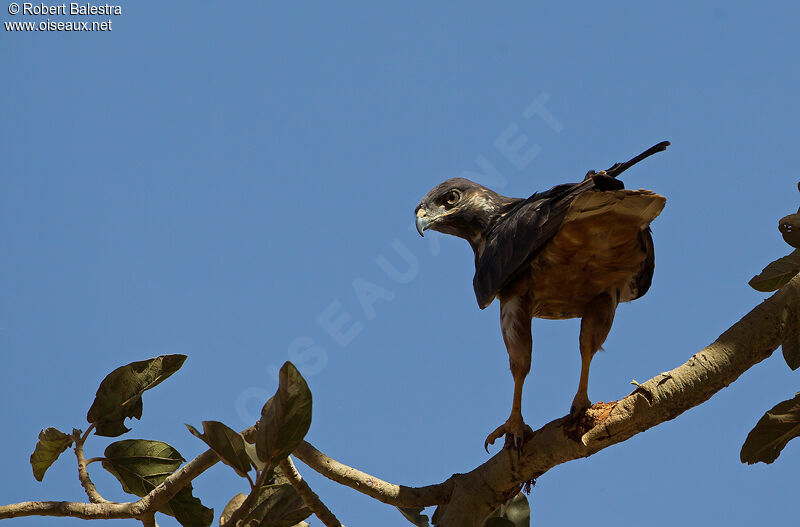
(516, 235)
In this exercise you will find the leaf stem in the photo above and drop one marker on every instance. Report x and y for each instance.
(86, 433)
(83, 474)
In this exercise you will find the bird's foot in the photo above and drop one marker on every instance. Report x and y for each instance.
(579, 406)
(514, 429)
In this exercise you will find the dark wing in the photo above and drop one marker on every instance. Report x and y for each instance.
(518, 236)
(645, 277)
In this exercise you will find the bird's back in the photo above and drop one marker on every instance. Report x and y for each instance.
(567, 230)
(602, 245)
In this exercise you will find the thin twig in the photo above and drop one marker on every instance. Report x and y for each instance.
(83, 474)
(310, 498)
(87, 432)
(84, 511)
(175, 482)
(397, 495)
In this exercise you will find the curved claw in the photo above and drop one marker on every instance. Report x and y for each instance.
(514, 429)
(494, 436)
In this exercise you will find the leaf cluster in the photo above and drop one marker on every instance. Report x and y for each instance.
(141, 465)
(780, 424)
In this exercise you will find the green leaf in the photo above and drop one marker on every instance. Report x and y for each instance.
(498, 521)
(188, 510)
(253, 455)
(777, 274)
(141, 465)
(278, 506)
(415, 516)
(790, 229)
(517, 510)
(514, 513)
(227, 443)
(120, 394)
(51, 444)
(772, 432)
(285, 418)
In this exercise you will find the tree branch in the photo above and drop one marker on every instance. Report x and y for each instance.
(84, 511)
(174, 482)
(310, 497)
(472, 496)
(110, 510)
(660, 399)
(397, 495)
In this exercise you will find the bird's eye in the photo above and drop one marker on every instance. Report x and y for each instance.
(452, 197)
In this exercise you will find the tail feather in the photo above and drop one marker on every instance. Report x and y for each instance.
(641, 206)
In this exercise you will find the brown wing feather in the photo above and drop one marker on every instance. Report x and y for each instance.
(516, 239)
(519, 235)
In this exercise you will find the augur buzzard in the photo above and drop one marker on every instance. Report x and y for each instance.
(574, 251)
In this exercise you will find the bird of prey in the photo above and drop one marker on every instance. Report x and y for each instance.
(574, 251)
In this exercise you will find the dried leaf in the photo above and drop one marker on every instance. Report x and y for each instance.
(791, 350)
(772, 432)
(52, 442)
(777, 274)
(278, 506)
(231, 507)
(285, 418)
(227, 443)
(120, 394)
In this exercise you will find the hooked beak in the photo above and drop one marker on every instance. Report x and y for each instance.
(422, 222)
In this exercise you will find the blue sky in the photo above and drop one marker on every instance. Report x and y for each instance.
(218, 180)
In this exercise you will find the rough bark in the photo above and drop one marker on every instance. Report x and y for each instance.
(660, 399)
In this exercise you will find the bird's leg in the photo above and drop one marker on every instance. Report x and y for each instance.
(595, 325)
(515, 426)
(515, 322)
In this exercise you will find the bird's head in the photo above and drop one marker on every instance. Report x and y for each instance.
(459, 207)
